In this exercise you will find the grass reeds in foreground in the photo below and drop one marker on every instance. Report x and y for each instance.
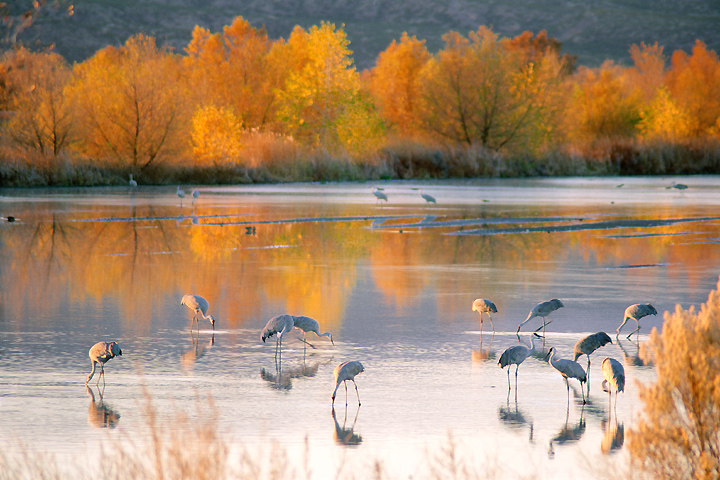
(273, 159)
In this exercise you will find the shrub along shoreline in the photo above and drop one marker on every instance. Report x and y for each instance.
(399, 162)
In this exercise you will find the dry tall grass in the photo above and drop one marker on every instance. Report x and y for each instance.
(679, 434)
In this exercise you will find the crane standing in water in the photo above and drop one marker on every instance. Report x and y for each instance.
(428, 198)
(200, 306)
(482, 305)
(379, 195)
(278, 325)
(568, 369)
(586, 346)
(636, 312)
(307, 324)
(100, 353)
(515, 356)
(180, 194)
(542, 310)
(614, 374)
(344, 372)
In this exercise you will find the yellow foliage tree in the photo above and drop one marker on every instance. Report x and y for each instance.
(322, 85)
(42, 118)
(664, 120)
(131, 103)
(677, 436)
(648, 72)
(216, 136)
(394, 82)
(694, 81)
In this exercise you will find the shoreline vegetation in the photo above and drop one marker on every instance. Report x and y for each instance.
(239, 107)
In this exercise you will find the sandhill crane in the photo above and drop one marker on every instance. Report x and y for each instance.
(100, 353)
(586, 346)
(200, 306)
(180, 194)
(307, 324)
(428, 198)
(636, 312)
(515, 356)
(614, 374)
(279, 324)
(677, 186)
(344, 372)
(481, 306)
(543, 310)
(195, 194)
(132, 182)
(568, 369)
(379, 195)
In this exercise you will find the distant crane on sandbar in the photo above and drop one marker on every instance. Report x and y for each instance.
(200, 306)
(568, 369)
(100, 353)
(636, 312)
(379, 195)
(195, 194)
(542, 310)
(132, 182)
(344, 372)
(428, 198)
(180, 194)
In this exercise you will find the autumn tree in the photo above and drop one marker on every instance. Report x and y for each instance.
(677, 435)
(478, 92)
(694, 81)
(131, 103)
(604, 104)
(394, 82)
(233, 69)
(323, 90)
(42, 114)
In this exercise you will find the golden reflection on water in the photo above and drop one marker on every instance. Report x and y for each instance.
(310, 268)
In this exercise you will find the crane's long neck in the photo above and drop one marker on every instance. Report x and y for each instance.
(202, 314)
(532, 343)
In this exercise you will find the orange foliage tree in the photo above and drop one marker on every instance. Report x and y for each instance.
(694, 81)
(394, 82)
(42, 118)
(476, 91)
(131, 101)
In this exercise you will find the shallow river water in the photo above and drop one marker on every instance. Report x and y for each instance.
(394, 285)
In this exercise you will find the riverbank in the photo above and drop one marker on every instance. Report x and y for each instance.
(397, 162)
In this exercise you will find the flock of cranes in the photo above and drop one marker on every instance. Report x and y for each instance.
(278, 326)
(613, 370)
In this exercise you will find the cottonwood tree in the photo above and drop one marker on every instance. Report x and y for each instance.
(41, 114)
(322, 91)
(678, 435)
(694, 81)
(394, 82)
(130, 101)
(477, 92)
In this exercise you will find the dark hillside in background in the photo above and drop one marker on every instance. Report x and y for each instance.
(594, 31)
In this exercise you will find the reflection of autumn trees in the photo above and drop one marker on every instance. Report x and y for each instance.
(148, 260)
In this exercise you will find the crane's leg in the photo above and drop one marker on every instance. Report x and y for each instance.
(516, 369)
(582, 390)
(345, 383)
(617, 332)
(636, 329)
(356, 392)
(491, 323)
(508, 371)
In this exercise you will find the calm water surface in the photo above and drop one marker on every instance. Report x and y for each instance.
(393, 283)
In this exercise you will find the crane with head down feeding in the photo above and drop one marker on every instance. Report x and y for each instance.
(100, 353)
(636, 312)
(542, 310)
(200, 306)
(278, 325)
(307, 324)
(482, 305)
(344, 372)
(587, 345)
(614, 374)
